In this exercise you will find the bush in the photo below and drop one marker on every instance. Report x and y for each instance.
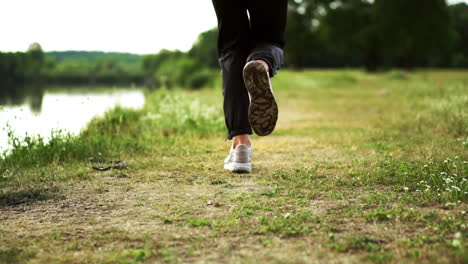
(176, 69)
(199, 79)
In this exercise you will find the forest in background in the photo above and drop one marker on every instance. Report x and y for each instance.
(375, 35)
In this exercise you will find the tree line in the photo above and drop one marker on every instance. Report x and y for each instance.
(376, 35)
(68, 68)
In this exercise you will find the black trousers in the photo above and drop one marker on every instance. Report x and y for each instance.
(248, 30)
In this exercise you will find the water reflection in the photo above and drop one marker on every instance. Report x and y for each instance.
(19, 95)
(35, 100)
(41, 111)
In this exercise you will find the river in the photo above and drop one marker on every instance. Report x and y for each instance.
(65, 109)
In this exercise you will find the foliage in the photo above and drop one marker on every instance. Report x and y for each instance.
(350, 28)
(176, 113)
(171, 69)
(128, 62)
(404, 27)
(36, 67)
(23, 67)
(376, 34)
(320, 33)
(81, 67)
(459, 15)
(204, 50)
(300, 33)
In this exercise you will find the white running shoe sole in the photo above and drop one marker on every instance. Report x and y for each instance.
(238, 167)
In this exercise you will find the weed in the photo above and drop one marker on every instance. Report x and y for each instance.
(218, 181)
(435, 180)
(381, 214)
(286, 225)
(179, 113)
(198, 222)
(14, 255)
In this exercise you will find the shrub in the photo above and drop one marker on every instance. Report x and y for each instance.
(178, 70)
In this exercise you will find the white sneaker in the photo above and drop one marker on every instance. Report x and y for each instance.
(239, 159)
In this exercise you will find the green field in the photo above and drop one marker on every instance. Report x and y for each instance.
(362, 168)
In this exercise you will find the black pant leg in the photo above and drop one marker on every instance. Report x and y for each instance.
(233, 49)
(268, 24)
(233, 25)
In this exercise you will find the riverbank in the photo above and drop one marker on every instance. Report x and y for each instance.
(361, 168)
(60, 108)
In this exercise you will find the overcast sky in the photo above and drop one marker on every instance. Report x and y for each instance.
(137, 26)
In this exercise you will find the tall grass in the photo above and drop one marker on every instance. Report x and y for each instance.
(104, 136)
(434, 108)
(119, 133)
(439, 180)
(416, 108)
(442, 106)
(181, 113)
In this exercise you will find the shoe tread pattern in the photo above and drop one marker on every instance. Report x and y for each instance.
(263, 110)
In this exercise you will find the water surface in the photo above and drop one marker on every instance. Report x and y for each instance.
(40, 113)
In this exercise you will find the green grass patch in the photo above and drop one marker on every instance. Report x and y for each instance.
(439, 180)
(362, 168)
(287, 225)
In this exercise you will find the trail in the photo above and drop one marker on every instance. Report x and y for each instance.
(307, 201)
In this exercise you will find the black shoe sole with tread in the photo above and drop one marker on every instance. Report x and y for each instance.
(263, 110)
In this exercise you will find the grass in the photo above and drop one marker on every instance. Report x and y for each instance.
(360, 169)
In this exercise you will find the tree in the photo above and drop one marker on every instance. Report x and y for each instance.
(301, 43)
(459, 15)
(349, 28)
(175, 69)
(152, 62)
(414, 30)
(34, 61)
(204, 50)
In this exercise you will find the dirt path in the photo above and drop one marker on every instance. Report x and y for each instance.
(308, 201)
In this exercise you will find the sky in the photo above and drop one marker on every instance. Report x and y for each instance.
(137, 26)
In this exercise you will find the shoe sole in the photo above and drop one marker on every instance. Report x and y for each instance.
(238, 167)
(263, 110)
